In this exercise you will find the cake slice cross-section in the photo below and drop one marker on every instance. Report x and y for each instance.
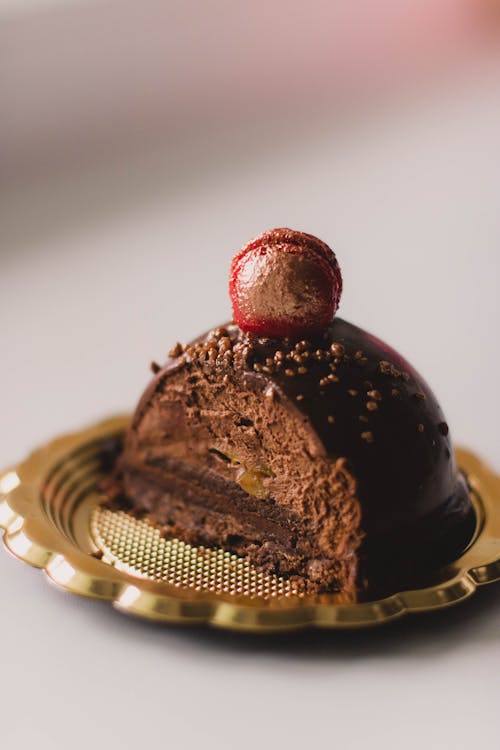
(309, 450)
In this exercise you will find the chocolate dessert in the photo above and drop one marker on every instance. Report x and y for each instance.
(293, 438)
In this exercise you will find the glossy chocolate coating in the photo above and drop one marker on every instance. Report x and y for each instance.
(380, 414)
(405, 468)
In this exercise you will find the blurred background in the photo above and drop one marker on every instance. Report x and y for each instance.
(142, 143)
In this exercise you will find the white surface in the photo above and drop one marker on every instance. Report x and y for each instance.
(103, 270)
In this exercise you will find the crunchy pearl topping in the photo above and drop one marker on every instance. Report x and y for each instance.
(227, 349)
(176, 350)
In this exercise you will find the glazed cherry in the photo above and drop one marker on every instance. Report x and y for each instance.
(285, 283)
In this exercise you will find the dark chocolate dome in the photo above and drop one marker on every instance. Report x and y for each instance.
(346, 408)
(375, 410)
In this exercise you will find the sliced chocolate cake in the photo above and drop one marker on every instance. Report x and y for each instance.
(304, 444)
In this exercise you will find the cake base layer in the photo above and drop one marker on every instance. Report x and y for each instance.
(212, 512)
(382, 565)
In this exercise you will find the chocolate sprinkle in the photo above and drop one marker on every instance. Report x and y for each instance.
(443, 428)
(176, 350)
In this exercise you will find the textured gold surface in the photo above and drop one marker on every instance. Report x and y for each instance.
(136, 547)
(53, 519)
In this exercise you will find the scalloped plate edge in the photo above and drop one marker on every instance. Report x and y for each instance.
(29, 539)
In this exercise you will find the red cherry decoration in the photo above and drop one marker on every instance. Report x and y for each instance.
(285, 283)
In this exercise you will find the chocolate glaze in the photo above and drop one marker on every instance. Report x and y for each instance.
(405, 469)
(382, 416)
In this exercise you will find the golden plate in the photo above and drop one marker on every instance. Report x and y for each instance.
(54, 519)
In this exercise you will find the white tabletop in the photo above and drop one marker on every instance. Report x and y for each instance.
(104, 267)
